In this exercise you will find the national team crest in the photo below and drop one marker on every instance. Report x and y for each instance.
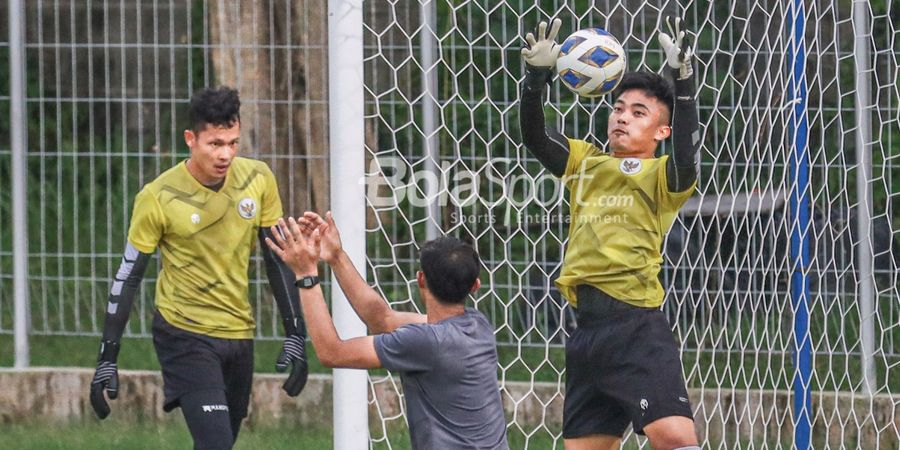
(247, 208)
(630, 166)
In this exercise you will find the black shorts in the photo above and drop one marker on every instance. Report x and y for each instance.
(194, 362)
(622, 366)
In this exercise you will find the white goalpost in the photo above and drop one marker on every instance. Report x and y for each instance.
(346, 140)
(781, 272)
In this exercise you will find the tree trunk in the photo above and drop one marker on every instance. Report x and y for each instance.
(276, 56)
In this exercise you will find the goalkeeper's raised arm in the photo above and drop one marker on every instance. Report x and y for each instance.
(682, 166)
(547, 144)
(610, 271)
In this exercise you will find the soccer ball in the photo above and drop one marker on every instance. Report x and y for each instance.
(591, 62)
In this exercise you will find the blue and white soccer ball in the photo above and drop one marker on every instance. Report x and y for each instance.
(591, 62)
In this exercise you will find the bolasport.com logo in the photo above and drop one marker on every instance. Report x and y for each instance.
(499, 186)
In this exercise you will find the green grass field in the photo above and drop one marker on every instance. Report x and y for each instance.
(517, 364)
(174, 434)
(131, 435)
(138, 353)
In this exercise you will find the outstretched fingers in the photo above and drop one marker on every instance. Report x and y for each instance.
(309, 221)
(305, 225)
(665, 41)
(554, 29)
(278, 244)
(285, 234)
(295, 229)
(675, 30)
(313, 245)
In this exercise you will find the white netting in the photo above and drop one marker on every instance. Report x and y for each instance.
(441, 84)
(108, 86)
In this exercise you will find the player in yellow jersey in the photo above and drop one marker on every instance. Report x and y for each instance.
(204, 215)
(622, 362)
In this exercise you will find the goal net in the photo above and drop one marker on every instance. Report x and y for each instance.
(781, 272)
(799, 173)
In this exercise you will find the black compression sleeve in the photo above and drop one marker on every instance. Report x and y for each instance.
(124, 288)
(547, 144)
(282, 279)
(682, 168)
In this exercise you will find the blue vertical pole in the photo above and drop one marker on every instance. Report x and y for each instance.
(800, 227)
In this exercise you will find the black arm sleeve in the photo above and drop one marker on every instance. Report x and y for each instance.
(121, 295)
(547, 144)
(682, 167)
(281, 280)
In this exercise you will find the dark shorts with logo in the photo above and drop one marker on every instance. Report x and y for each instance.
(622, 366)
(194, 362)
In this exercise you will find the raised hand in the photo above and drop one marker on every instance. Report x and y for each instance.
(299, 252)
(331, 245)
(542, 52)
(678, 53)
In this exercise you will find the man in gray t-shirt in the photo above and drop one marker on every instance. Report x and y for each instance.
(447, 358)
(449, 375)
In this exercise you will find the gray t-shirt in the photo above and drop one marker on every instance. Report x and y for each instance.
(449, 376)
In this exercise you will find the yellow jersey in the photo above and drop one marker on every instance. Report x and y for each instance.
(205, 238)
(620, 210)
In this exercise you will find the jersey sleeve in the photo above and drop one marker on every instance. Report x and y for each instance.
(410, 348)
(147, 222)
(578, 151)
(271, 209)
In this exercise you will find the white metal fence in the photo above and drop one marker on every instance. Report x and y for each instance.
(108, 84)
(106, 87)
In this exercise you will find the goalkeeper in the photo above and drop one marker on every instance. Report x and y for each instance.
(203, 215)
(622, 362)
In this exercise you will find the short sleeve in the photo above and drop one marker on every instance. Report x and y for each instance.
(147, 222)
(410, 348)
(578, 151)
(271, 201)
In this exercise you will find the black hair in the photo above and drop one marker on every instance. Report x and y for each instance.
(451, 267)
(219, 106)
(651, 84)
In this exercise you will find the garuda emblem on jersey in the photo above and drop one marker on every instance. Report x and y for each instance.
(630, 166)
(247, 208)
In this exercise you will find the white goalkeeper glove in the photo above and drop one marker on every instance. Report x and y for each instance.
(544, 51)
(678, 53)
